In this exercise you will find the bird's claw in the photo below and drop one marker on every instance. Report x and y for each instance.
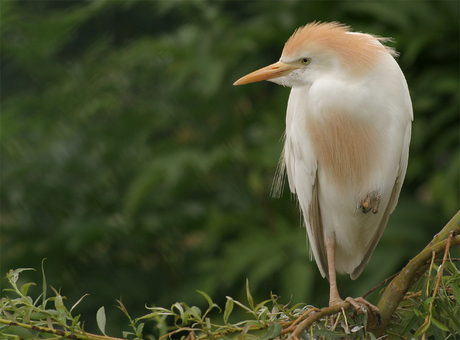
(371, 202)
(358, 302)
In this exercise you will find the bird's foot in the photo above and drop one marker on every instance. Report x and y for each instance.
(371, 202)
(358, 304)
(361, 306)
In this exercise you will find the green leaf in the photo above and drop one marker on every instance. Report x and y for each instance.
(9, 316)
(412, 321)
(453, 317)
(140, 328)
(243, 306)
(296, 306)
(263, 316)
(210, 303)
(183, 314)
(207, 297)
(75, 320)
(440, 325)
(49, 323)
(123, 308)
(23, 333)
(38, 316)
(418, 313)
(262, 304)
(25, 287)
(427, 302)
(60, 308)
(248, 294)
(195, 312)
(437, 334)
(456, 291)
(228, 309)
(125, 334)
(59, 305)
(371, 336)
(44, 284)
(101, 319)
(76, 303)
(273, 330)
(423, 328)
(13, 275)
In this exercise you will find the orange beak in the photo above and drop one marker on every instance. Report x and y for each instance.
(275, 70)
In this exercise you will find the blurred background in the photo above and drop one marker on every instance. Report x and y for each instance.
(131, 163)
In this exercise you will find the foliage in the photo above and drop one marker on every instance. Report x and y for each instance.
(24, 317)
(127, 156)
(436, 313)
(431, 308)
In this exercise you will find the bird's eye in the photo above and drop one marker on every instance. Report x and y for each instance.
(305, 61)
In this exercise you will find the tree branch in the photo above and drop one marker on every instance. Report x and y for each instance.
(398, 287)
(59, 332)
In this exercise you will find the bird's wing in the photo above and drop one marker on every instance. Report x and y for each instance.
(301, 168)
(315, 232)
(391, 203)
(299, 162)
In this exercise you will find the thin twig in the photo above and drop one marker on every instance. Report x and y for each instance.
(381, 284)
(438, 280)
(315, 317)
(300, 318)
(177, 331)
(444, 259)
(427, 318)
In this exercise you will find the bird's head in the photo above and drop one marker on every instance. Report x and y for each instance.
(320, 49)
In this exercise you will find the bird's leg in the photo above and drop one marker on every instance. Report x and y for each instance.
(371, 202)
(334, 297)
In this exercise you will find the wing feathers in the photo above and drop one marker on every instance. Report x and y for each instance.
(391, 204)
(315, 232)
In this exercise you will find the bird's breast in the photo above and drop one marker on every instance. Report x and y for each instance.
(347, 149)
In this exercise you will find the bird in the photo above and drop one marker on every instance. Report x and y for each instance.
(346, 143)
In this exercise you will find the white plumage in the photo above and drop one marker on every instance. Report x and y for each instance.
(348, 127)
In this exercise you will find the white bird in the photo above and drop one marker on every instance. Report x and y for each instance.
(348, 128)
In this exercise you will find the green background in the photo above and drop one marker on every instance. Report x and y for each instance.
(131, 163)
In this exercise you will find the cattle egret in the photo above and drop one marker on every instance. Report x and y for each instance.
(348, 128)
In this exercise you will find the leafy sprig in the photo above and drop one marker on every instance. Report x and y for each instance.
(429, 310)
